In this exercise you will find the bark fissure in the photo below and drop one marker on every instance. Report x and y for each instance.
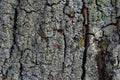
(98, 6)
(21, 69)
(65, 54)
(64, 38)
(101, 60)
(103, 44)
(15, 27)
(14, 31)
(86, 37)
(59, 39)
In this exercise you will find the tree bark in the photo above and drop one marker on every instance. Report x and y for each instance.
(59, 39)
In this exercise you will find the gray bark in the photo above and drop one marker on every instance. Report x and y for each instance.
(59, 39)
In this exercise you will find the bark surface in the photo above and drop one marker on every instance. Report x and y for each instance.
(59, 39)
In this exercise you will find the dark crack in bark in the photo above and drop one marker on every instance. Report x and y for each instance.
(101, 59)
(15, 36)
(21, 69)
(14, 31)
(86, 37)
(103, 53)
(98, 6)
(63, 31)
(65, 48)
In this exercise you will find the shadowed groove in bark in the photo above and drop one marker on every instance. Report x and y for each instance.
(65, 46)
(86, 37)
(14, 30)
(101, 59)
(98, 6)
(64, 38)
(21, 69)
(66, 54)
(15, 37)
(103, 72)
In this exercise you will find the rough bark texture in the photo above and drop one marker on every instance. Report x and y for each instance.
(59, 39)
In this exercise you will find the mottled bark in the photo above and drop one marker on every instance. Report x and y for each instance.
(59, 39)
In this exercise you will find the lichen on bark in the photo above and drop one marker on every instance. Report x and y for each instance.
(59, 39)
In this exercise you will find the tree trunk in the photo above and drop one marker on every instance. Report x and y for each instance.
(59, 39)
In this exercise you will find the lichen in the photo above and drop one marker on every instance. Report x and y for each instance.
(81, 42)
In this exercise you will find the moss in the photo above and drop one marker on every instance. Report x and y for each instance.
(81, 43)
(57, 46)
(104, 44)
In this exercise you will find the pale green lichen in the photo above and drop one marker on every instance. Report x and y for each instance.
(81, 42)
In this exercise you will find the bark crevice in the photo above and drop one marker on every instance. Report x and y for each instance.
(15, 44)
(14, 31)
(85, 14)
(65, 48)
